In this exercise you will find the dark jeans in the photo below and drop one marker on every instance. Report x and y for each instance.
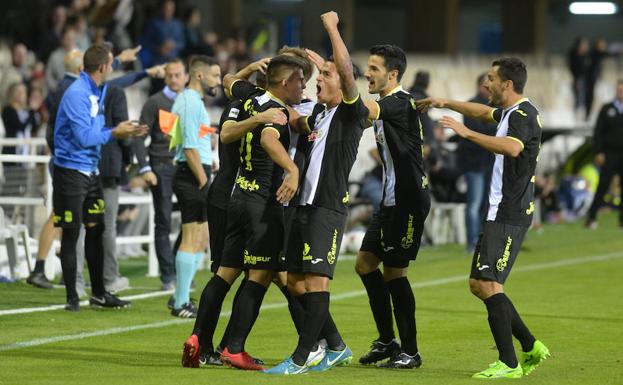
(476, 203)
(613, 165)
(163, 205)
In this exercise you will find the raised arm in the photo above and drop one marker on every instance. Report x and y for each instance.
(341, 56)
(475, 111)
(505, 145)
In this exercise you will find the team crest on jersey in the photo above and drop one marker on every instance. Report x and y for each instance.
(380, 138)
(314, 135)
(612, 113)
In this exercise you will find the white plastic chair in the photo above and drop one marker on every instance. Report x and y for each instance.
(10, 235)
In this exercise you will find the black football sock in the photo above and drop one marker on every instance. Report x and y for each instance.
(332, 335)
(500, 321)
(380, 303)
(69, 240)
(297, 311)
(316, 312)
(404, 311)
(227, 331)
(209, 310)
(244, 315)
(94, 254)
(520, 330)
(39, 266)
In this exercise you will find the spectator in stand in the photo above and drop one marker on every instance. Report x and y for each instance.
(50, 35)
(580, 67)
(19, 119)
(441, 163)
(55, 69)
(196, 43)
(608, 148)
(18, 72)
(476, 164)
(419, 90)
(163, 38)
(79, 23)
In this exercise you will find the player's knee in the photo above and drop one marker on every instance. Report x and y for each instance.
(391, 273)
(364, 264)
(227, 274)
(474, 287)
(315, 283)
(262, 277)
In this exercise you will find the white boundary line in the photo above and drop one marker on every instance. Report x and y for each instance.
(338, 297)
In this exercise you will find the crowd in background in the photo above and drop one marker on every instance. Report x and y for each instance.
(34, 66)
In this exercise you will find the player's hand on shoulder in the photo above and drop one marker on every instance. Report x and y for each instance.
(273, 115)
(425, 104)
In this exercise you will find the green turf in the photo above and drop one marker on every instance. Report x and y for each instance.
(575, 309)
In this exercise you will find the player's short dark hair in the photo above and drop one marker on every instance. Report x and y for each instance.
(308, 69)
(96, 55)
(279, 65)
(200, 61)
(394, 56)
(512, 68)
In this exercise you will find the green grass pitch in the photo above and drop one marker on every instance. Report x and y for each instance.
(567, 284)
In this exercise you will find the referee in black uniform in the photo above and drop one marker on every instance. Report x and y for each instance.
(394, 234)
(511, 206)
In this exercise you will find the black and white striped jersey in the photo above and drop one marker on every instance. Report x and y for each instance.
(511, 194)
(400, 141)
(332, 149)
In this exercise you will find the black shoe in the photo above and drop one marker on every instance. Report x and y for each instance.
(73, 305)
(188, 310)
(110, 301)
(210, 358)
(39, 280)
(171, 303)
(403, 361)
(380, 351)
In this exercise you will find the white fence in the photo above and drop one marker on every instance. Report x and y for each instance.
(46, 199)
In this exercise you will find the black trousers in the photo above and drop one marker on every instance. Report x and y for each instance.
(612, 166)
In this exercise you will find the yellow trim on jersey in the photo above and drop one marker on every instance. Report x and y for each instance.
(517, 140)
(273, 97)
(306, 124)
(351, 101)
(232, 86)
(272, 128)
(378, 110)
(492, 116)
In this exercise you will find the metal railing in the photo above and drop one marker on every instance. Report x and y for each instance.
(46, 199)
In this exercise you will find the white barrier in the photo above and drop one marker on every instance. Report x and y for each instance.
(152, 270)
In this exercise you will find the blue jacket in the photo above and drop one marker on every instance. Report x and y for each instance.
(79, 128)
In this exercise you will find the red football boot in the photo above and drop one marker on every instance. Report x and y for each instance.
(190, 357)
(240, 360)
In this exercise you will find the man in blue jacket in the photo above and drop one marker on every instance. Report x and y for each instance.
(78, 137)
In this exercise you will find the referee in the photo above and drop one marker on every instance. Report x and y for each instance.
(78, 196)
(516, 146)
(192, 177)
